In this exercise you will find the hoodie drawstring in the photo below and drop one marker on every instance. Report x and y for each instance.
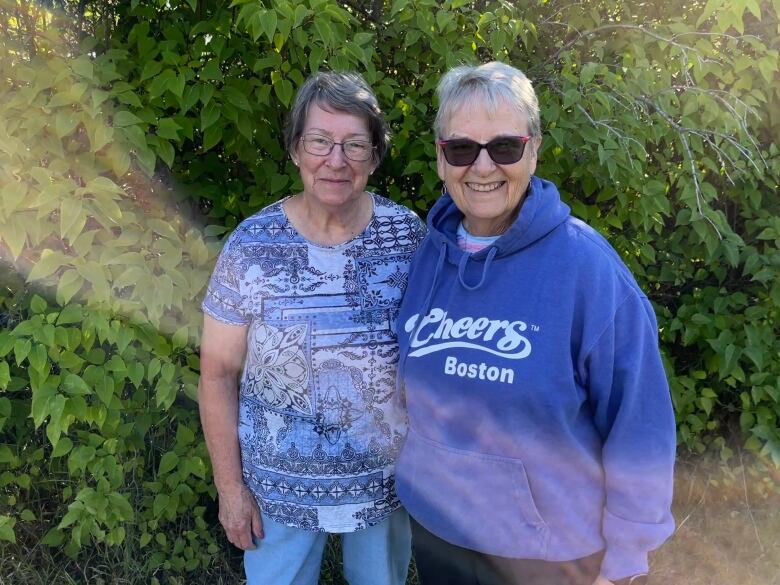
(462, 269)
(420, 316)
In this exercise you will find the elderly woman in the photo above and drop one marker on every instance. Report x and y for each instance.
(298, 356)
(541, 435)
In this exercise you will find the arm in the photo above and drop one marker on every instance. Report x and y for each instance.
(222, 353)
(633, 413)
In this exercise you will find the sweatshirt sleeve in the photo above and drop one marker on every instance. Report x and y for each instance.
(632, 409)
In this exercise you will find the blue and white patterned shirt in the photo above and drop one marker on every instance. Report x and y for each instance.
(319, 425)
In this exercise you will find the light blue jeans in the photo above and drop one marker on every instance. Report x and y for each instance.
(378, 555)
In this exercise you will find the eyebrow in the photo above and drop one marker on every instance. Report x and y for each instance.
(348, 136)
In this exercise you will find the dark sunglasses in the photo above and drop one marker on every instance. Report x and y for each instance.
(504, 150)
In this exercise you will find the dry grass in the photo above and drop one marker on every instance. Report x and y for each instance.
(728, 526)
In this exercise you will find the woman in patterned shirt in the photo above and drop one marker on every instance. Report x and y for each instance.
(299, 353)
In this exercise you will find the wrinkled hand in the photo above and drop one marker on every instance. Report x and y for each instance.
(240, 517)
(600, 580)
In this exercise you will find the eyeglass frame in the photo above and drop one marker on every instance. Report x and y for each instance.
(525, 139)
(333, 143)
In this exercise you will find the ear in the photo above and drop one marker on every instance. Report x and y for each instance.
(535, 144)
(441, 162)
(533, 153)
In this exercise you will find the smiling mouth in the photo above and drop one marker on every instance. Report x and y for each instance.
(485, 187)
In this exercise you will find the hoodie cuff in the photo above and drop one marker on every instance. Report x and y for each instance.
(620, 562)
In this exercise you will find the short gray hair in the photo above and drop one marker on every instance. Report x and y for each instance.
(343, 92)
(491, 84)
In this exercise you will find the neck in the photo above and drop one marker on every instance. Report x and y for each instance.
(327, 225)
(485, 231)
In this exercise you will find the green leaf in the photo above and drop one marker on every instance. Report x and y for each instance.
(161, 502)
(398, 6)
(301, 12)
(70, 361)
(63, 447)
(212, 137)
(5, 375)
(38, 359)
(56, 423)
(75, 385)
(151, 69)
(7, 528)
(54, 537)
(121, 507)
(211, 71)
(208, 115)
(22, 349)
(154, 369)
(324, 31)
(80, 457)
(105, 390)
(136, 374)
(268, 21)
(124, 118)
(71, 314)
(168, 462)
(168, 128)
(176, 85)
(166, 152)
(38, 304)
(237, 98)
(284, 90)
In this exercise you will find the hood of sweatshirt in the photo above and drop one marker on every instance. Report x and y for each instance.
(541, 212)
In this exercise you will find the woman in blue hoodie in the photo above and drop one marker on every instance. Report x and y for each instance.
(541, 434)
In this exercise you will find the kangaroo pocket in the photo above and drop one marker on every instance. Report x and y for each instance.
(480, 502)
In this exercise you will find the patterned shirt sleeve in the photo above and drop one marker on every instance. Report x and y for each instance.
(224, 300)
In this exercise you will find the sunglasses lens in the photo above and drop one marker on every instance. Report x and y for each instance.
(461, 153)
(506, 151)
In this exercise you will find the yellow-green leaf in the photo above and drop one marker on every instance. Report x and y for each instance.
(47, 265)
(65, 122)
(14, 235)
(68, 285)
(72, 219)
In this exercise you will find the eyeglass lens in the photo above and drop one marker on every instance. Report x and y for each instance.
(504, 150)
(356, 150)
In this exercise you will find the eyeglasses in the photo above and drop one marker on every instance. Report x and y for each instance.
(504, 150)
(354, 150)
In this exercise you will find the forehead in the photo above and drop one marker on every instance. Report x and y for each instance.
(334, 122)
(481, 120)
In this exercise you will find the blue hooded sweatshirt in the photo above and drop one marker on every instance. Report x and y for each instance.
(540, 420)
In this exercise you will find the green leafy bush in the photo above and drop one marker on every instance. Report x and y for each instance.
(126, 128)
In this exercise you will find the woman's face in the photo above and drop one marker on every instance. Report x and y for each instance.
(333, 180)
(487, 193)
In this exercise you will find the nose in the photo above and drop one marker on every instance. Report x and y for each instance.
(336, 158)
(484, 164)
